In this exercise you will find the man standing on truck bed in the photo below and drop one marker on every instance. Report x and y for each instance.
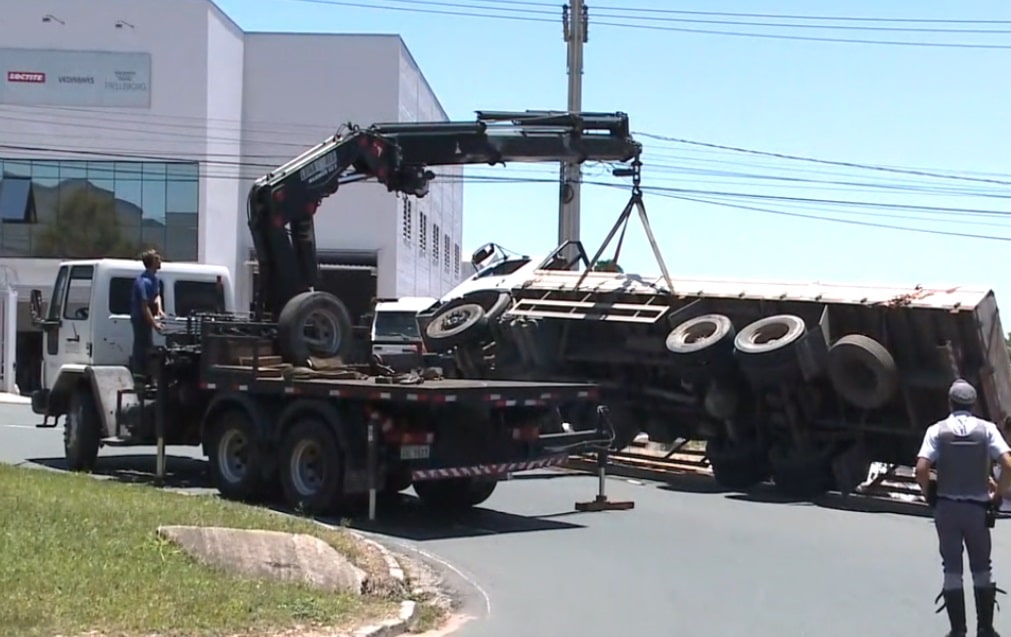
(145, 310)
(962, 448)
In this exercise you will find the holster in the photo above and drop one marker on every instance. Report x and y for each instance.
(931, 495)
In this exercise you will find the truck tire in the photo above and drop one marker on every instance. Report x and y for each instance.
(702, 340)
(82, 431)
(454, 494)
(330, 319)
(803, 475)
(737, 466)
(772, 334)
(456, 324)
(862, 371)
(235, 457)
(312, 468)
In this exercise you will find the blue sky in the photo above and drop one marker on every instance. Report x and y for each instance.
(935, 109)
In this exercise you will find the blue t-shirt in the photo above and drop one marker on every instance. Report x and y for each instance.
(145, 288)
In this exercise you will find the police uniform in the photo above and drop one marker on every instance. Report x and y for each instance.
(961, 449)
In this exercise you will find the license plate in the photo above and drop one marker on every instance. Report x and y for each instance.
(415, 452)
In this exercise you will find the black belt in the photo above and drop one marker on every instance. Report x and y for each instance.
(950, 499)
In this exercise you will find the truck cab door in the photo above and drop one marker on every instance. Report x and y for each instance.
(77, 316)
(51, 325)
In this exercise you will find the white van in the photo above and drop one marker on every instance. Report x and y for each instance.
(395, 335)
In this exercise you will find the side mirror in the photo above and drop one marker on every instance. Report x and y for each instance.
(35, 306)
(482, 254)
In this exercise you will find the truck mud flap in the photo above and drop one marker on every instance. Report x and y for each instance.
(113, 387)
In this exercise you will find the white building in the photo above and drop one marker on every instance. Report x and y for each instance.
(125, 124)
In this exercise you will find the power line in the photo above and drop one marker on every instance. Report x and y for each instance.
(477, 11)
(779, 16)
(921, 173)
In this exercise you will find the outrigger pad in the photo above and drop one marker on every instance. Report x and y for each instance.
(601, 503)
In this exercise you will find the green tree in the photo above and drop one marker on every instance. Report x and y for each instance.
(607, 265)
(86, 227)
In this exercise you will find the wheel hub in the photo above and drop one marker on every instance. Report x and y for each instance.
(307, 470)
(233, 456)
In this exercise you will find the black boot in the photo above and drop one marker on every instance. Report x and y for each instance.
(985, 602)
(954, 603)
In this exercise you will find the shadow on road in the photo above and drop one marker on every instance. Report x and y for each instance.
(402, 516)
(180, 472)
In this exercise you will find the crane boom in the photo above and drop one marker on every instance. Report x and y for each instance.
(282, 203)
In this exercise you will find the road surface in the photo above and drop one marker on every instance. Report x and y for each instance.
(687, 560)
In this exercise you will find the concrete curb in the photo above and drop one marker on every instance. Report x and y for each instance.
(396, 626)
(14, 399)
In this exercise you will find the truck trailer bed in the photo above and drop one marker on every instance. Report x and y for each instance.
(502, 393)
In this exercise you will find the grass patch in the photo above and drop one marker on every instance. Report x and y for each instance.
(79, 554)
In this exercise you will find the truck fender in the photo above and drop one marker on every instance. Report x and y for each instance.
(69, 378)
(311, 406)
(234, 400)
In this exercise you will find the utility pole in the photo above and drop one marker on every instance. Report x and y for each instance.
(575, 28)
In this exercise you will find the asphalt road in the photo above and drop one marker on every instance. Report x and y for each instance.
(687, 560)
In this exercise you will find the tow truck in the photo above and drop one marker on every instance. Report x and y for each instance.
(277, 397)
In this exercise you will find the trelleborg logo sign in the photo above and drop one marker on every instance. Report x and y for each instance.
(125, 81)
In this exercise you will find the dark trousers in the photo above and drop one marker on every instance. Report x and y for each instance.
(143, 341)
(961, 523)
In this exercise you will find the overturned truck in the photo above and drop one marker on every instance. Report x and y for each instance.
(803, 384)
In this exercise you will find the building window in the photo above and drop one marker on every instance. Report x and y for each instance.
(445, 253)
(91, 209)
(422, 232)
(457, 260)
(435, 244)
(407, 221)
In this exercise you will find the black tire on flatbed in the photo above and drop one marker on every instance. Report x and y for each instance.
(334, 318)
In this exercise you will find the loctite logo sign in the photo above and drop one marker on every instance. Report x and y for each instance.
(26, 76)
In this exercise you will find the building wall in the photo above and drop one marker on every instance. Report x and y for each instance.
(238, 105)
(346, 79)
(104, 160)
(430, 228)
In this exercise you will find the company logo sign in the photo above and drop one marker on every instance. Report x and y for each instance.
(76, 79)
(26, 76)
(125, 81)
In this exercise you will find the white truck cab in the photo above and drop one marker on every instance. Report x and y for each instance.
(494, 270)
(87, 320)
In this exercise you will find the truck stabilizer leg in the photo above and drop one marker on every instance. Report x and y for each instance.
(602, 502)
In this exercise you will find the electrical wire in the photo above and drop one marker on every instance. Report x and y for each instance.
(471, 10)
(778, 16)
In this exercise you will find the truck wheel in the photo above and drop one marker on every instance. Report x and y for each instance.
(454, 494)
(702, 340)
(82, 431)
(456, 324)
(738, 466)
(313, 324)
(862, 371)
(770, 334)
(235, 457)
(803, 475)
(312, 468)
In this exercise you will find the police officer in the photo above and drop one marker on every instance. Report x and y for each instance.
(145, 310)
(961, 449)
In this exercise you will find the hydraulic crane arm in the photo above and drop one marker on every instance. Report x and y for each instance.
(282, 204)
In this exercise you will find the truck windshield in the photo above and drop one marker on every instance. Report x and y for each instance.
(396, 325)
(502, 268)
